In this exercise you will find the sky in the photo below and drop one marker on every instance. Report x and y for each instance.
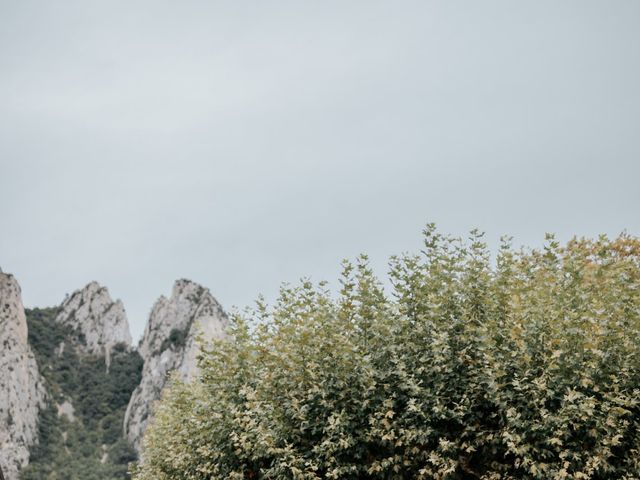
(243, 144)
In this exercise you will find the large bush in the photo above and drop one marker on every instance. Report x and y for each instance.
(527, 367)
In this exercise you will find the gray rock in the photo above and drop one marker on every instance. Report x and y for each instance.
(22, 393)
(102, 321)
(169, 344)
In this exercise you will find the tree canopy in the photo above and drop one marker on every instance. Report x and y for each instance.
(526, 367)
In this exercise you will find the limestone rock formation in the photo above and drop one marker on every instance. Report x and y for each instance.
(101, 321)
(169, 344)
(22, 394)
(98, 324)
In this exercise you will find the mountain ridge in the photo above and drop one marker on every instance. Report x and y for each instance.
(86, 380)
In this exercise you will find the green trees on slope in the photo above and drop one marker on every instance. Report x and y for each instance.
(526, 369)
(92, 446)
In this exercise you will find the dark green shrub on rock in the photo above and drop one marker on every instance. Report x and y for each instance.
(528, 368)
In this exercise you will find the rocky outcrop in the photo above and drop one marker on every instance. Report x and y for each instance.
(101, 322)
(170, 344)
(22, 394)
(97, 325)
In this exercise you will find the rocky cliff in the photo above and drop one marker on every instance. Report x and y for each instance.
(101, 322)
(22, 393)
(94, 397)
(169, 344)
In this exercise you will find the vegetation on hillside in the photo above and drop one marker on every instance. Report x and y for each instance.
(92, 445)
(523, 368)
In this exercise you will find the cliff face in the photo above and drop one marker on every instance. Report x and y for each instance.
(22, 394)
(101, 321)
(169, 343)
(76, 398)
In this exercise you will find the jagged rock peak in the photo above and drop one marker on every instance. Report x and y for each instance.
(102, 321)
(189, 301)
(170, 344)
(22, 394)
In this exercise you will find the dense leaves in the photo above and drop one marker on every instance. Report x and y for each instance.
(527, 368)
(92, 444)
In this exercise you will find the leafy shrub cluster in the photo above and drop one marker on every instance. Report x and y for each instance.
(92, 447)
(523, 368)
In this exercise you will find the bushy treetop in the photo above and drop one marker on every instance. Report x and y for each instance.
(522, 368)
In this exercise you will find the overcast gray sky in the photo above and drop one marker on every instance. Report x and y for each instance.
(246, 143)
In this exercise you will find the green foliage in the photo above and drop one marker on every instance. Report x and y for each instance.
(45, 335)
(68, 450)
(92, 446)
(528, 368)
